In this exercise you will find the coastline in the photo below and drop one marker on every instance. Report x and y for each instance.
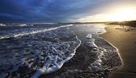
(125, 41)
(89, 62)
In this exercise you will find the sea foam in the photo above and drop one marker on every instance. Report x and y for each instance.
(44, 50)
(45, 70)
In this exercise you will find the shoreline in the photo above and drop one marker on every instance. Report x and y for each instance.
(82, 63)
(89, 62)
(125, 42)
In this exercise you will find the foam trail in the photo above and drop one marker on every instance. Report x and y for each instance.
(91, 43)
(95, 66)
(89, 36)
(55, 67)
(33, 32)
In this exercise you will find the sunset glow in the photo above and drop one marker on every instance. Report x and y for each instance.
(121, 16)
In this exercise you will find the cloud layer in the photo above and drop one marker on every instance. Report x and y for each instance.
(40, 11)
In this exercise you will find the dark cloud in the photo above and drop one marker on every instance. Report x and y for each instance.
(55, 10)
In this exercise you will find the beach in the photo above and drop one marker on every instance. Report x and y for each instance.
(123, 38)
(57, 51)
(84, 63)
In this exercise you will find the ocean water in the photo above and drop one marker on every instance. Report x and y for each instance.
(34, 51)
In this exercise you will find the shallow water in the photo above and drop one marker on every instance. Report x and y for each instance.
(33, 51)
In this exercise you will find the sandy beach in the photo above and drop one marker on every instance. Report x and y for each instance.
(123, 38)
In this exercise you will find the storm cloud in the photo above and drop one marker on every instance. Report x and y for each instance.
(42, 11)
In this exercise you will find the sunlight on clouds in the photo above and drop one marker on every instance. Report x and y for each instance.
(122, 15)
(92, 18)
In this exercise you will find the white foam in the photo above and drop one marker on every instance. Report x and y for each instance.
(91, 41)
(89, 36)
(16, 32)
(95, 66)
(92, 44)
(54, 68)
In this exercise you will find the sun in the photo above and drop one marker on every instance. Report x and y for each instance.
(121, 16)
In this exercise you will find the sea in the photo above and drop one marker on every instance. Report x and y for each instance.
(56, 51)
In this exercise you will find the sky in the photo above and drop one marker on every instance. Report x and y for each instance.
(53, 11)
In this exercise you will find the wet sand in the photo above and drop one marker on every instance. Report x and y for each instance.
(82, 65)
(125, 41)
